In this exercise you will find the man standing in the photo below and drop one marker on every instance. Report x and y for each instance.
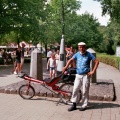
(22, 54)
(82, 79)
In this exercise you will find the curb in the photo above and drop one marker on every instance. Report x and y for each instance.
(103, 90)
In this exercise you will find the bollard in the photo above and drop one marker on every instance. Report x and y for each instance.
(62, 60)
(36, 64)
(93, 77)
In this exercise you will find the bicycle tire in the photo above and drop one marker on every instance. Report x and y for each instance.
(68, 87)
(25, 92)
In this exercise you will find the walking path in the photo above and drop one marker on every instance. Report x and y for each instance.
(13, 107)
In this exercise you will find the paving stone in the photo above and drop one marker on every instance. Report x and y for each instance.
(13, 91)
(7, 90)
(2, 89)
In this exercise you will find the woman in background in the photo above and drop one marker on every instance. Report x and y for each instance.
(18, 61)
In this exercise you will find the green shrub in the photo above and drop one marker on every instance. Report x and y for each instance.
(109, 59)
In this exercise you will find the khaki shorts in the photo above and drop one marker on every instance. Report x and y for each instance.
(22, 61)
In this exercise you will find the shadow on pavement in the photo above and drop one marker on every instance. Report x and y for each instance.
(5, 70)
(47, 99)
(92, 105)
(100, 105)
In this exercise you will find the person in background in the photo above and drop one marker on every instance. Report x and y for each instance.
(22, 55)
(4, 56)
(57, 57)
(30, 51)
(83, 74)
(48, 54)
(69, 55)
(51, 64)
(14, 65)
(18, 61)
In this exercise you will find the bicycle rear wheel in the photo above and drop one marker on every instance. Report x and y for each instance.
(26, 92)
(68, 87)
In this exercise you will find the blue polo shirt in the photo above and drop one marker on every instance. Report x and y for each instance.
(83, 62)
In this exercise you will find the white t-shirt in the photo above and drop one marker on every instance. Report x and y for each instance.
(52, 62)
(49, 53)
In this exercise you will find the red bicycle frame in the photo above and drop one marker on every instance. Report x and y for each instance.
(51, 84)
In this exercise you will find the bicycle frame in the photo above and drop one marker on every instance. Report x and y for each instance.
(64, 90)
(51, 84)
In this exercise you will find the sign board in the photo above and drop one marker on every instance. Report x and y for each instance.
(61, 57)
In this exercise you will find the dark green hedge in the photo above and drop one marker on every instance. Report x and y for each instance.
(109, 59)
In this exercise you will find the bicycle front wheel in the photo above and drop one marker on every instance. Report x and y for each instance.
(26, 92)
(68, 87)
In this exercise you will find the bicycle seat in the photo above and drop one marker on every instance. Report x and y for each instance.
(48, 80)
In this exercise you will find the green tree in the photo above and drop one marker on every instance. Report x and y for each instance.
(111, 37)
(84, 28)
(112, 8)
(77, 27)
(22, 17)
(55, 19)
(58, 12)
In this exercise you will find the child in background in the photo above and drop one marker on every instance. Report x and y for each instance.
(51, 64)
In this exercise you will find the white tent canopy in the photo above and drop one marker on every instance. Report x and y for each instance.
(15, 45)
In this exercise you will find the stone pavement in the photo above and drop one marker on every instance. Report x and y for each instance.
(13, 107)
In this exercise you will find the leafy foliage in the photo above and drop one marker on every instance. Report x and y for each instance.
(21, 16)
(76, 27)
(40, 22)
(58, 12)
(111, 38)
(112, 8)
(85, 28)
